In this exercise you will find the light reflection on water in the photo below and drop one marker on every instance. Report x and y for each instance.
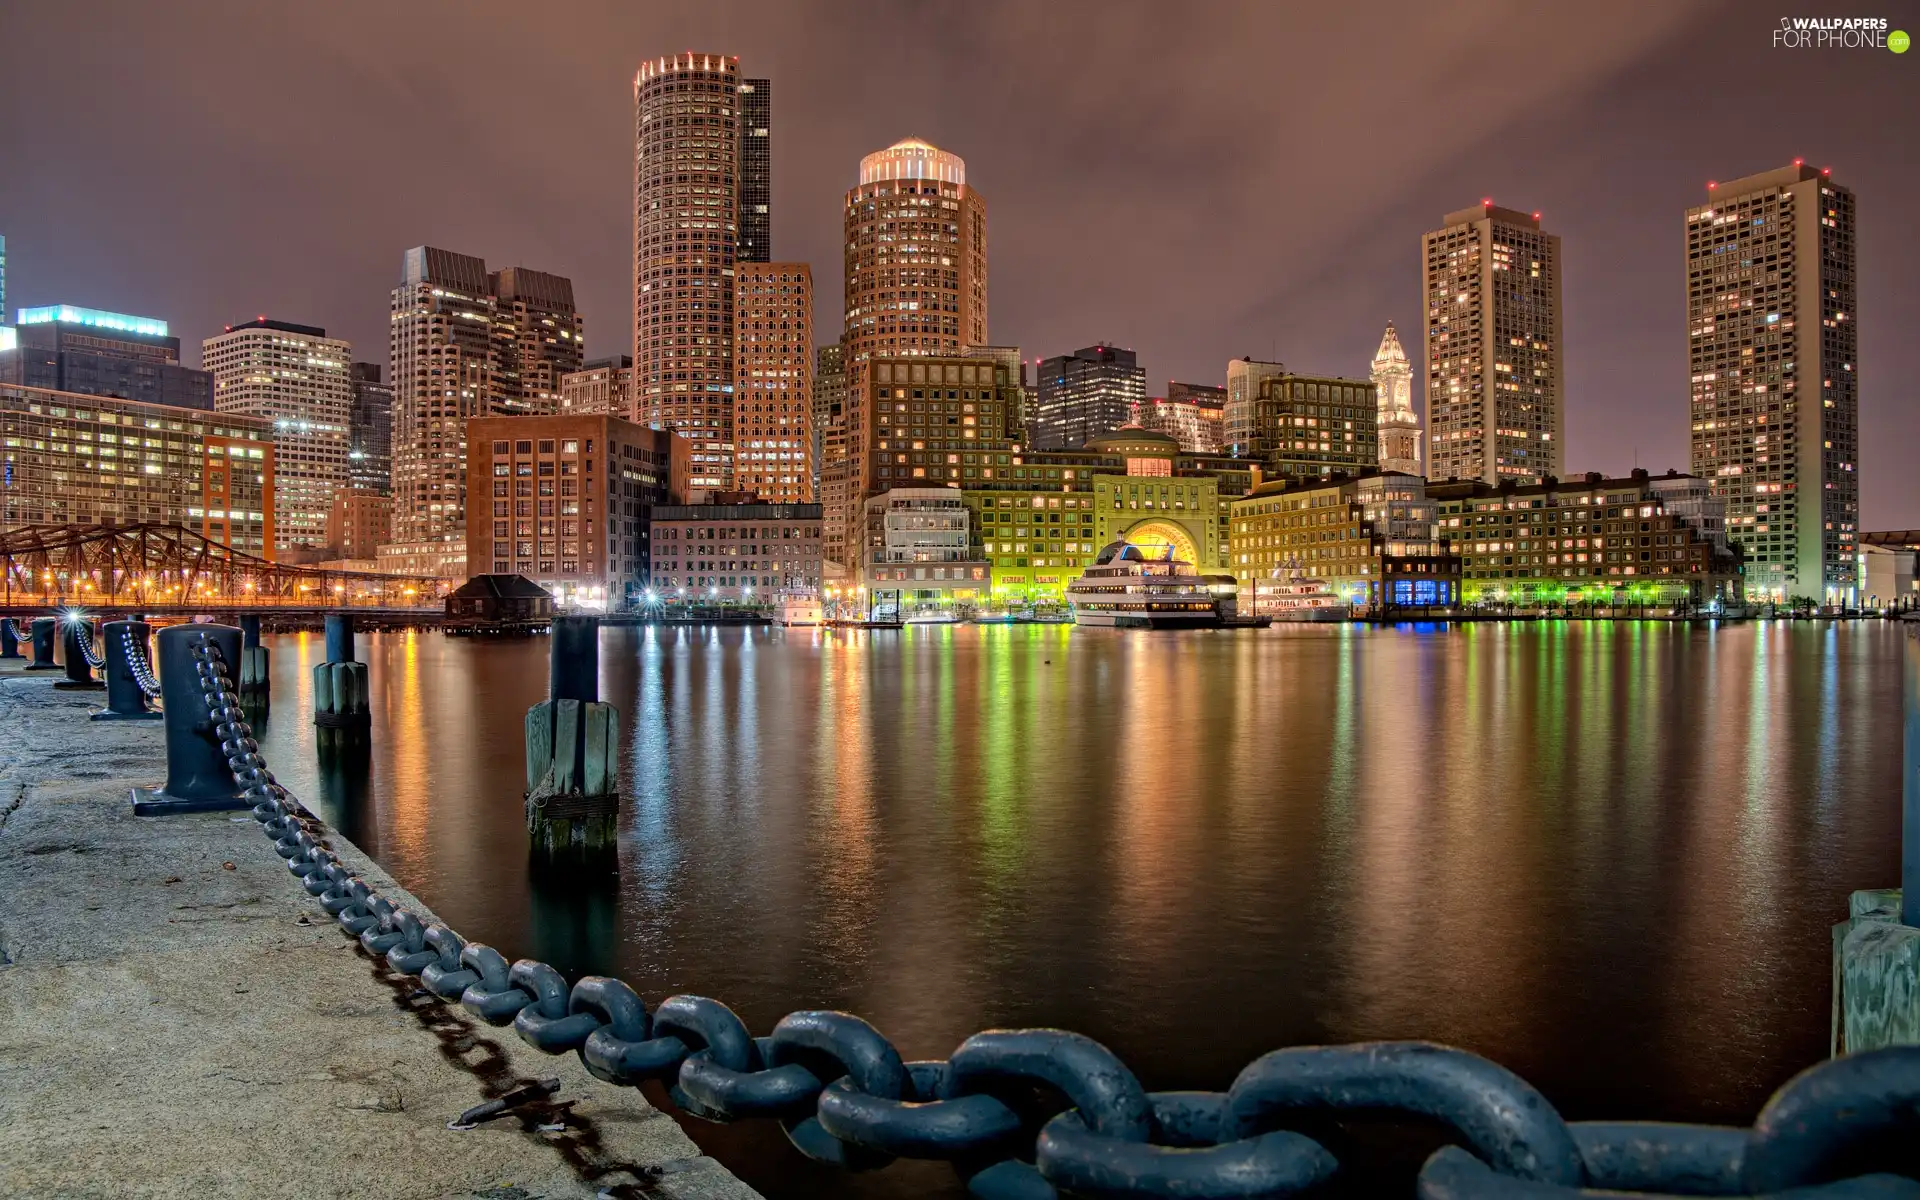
(1606, 855)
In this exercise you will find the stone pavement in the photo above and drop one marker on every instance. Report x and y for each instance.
(178, 1018)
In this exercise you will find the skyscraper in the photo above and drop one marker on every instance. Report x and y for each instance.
(370, 431)
(773, 382)
(916, 284)
(829, 403)
(756, 171)
(460, 349)
(1773, 357)
(1399, 427)
(1244, 377)
(686, 237)
(1086, 394)
(295, 377)
(95, 353)
(3, 279)
(604, 385)
(1493, 362)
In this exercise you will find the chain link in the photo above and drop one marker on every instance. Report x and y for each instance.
(1038, 1113)
(84, 638)
(137, 664)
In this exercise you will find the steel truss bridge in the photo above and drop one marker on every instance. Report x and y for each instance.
(164, 569)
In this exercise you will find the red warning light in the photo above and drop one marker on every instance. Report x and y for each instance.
(1711, 185)
(1486, 202)
(1799, 162)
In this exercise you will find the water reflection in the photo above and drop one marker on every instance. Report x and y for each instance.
(1606, 855)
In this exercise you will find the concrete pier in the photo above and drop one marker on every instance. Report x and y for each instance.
(178, 1018)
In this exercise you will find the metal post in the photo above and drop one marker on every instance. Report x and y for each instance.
(1910, 790)
(75, 633)
(198, 778)
(125, 700)
(339, 637)
(9, 640)
(573, 671)
(43, 630)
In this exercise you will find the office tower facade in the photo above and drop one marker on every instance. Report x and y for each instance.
(208, 472)
(297, 379)
(1773, 356)
(97, 353)
(1086, 394)
(3, 278)
(1399, 427)
(773, 381)
(1244, 377)
(370, 431)
(686, 240)
(829, 403)
(459, 350)
(1309, 426)
(541, 338)
(1192, 414)
(359, 523)
(1495, 383)
(756, 171)
(604, 385)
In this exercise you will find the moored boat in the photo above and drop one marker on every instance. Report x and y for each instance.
(1127, 589)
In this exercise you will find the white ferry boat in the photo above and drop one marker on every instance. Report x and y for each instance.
(1290, 594)
(800, 610)
(1126, 589)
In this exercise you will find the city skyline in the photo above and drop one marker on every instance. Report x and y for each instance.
(1624, 298)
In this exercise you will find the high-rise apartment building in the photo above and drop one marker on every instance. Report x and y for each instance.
(86, 350)
(370, 431)
(604, 385)
(756, 171)
(461, 350)
(916, 285)
(773, 381)
(1085, 395)
(686, 240)
(1399, 427)
(296, 378)
(541, 338)
(1773, 356)
(1495, 383)
(1244, 377)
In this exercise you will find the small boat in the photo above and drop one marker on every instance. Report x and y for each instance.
(1290, 594)
(800, 610)
(1127, 589)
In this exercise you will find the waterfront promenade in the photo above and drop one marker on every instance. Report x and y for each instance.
(177, 1018)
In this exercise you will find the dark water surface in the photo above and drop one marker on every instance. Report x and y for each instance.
(1605, 855)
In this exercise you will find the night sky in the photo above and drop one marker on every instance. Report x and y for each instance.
(1197, 180)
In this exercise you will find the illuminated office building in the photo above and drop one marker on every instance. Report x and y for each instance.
(370, 431)
(773, 382)
(97, 353)
(756, 171)
(604, 385)
(1085, 395)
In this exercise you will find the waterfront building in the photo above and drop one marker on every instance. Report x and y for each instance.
(686, 242)
(1086, 394)
(1193, 414)
(370, 431)
(734, 553)
(829, 407)
(567, 502)
(1773, 360)
(1585, 540)
(65, 348)
(1310, 425)
(1495, 381)
(601, 386)
(296, 378)
(1372, 538)
(915, 274)
(466, 343)
(773, 381)
(1398, 426)
(98, 460)
(1887, 571)
(1244, 377)
(922, 553)
(438, 559)
(359, 522)
(756, 171)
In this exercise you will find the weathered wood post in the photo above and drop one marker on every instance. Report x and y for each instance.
(76, 640)
(253, 665)
(42, 637)
(340, 712)
(198, 777)
(573, 750)
(9, 640)
(126, 701)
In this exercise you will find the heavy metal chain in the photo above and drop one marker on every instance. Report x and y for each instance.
(137, 665)
(85, 639)
(1034, 1114)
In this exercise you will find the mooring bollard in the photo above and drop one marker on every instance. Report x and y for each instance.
(76, 637)
(9, 639)
(126, 699)
(198, 777)
(254, 688)
(42, 631)
(340, 711)
(573, 749)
